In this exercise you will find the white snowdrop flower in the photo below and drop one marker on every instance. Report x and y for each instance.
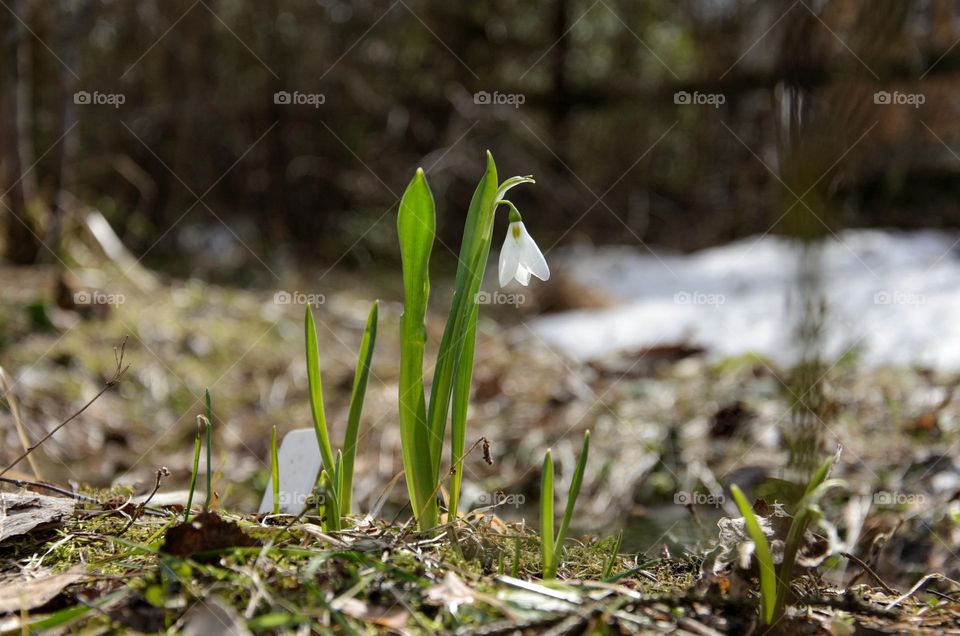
(520, 255)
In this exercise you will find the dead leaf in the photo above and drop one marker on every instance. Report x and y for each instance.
(730, 420)
(924, 424)
(22, 512)
(735, 545)
(206, 532)
(19, 593)
(394, 618)
(214, 617)
(452, 592)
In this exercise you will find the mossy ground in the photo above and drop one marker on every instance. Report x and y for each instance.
(376, 578)
(662, 421)
(357, 581)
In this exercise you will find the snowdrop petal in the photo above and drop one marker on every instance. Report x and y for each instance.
(523, 276)
(509, 259)
(532, 258)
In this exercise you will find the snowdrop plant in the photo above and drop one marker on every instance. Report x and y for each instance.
(337, 475)
(423, 423)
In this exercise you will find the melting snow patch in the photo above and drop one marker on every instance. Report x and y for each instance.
(894, 296)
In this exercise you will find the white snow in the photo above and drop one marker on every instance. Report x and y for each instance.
(894, 296)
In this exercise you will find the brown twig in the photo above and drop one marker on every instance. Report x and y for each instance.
(112, 382)
(162, 472)
(20, 483)
(866, 568)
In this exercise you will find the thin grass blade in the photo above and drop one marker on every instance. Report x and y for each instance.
(768, 575)
(331, 511)
(547, 541)
(316, 393)
(612, 560)
(209, 404)
(338, 485)
(275, 467)
(573, 493)
(819, 476)
(196, 468)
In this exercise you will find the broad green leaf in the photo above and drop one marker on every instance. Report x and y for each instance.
(462, 380)
(360, 379)
(474, 252)
(316, 393)
(416, 227)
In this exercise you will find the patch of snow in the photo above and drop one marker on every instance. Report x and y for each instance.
(894, 296)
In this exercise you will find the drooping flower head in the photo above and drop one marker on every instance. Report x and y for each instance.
(520, 257)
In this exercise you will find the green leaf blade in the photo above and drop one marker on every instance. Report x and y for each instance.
(316, 393)
(416, 228)
(331, 511)
(547, 541)
(574, 492)
(358, 394)
(768, 575)
(462, 381)
(196, 469)
(275, 471)
(474, 252)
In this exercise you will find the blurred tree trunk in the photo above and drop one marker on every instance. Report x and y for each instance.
(559, 108)
(22, 245)
(278, 215)
(70, 21)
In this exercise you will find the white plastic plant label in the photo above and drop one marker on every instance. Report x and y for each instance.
(299, 460)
